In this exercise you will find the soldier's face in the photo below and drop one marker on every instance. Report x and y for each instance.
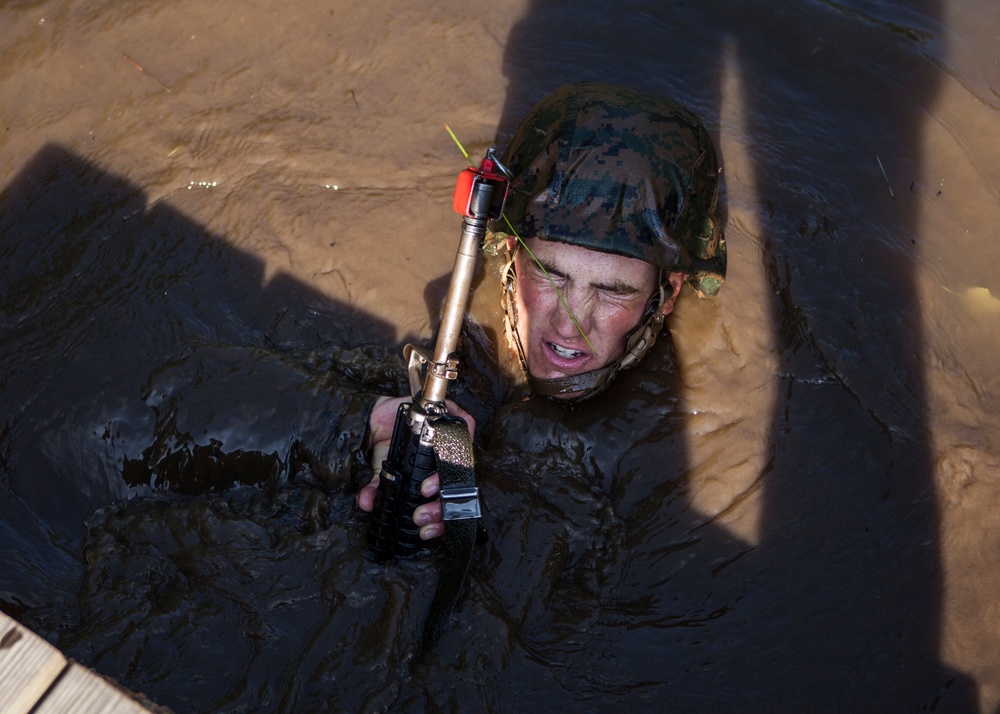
(606, 293)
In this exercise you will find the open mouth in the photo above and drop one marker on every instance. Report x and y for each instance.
(564, 352)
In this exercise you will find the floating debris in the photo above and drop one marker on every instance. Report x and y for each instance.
(891, 194)
(138, 66)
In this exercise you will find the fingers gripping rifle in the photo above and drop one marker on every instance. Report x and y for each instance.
(425, 439)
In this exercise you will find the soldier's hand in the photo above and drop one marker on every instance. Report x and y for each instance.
(380, 424)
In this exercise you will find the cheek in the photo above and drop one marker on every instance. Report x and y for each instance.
(618, 323)
(532, 300)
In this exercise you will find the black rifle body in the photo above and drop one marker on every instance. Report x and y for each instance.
(479, 196)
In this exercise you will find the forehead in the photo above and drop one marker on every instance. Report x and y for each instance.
(581, 263)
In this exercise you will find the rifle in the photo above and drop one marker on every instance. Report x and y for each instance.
(425, 439)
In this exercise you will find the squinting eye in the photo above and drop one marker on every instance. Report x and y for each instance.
(548, 277)
(618, 295)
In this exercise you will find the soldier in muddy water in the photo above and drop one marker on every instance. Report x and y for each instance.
(613, 207)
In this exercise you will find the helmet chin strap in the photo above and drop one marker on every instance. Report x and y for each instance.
(577, 387)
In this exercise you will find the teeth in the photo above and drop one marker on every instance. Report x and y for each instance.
(563, 352)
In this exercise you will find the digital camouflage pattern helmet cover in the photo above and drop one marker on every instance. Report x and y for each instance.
(620, 171)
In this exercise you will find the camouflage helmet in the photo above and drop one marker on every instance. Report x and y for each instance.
(612, 169)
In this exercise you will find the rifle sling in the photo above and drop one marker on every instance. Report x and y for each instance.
(453, 448)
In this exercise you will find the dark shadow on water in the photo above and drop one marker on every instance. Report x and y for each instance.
(135, 342)
(840, 606)
(177, 483)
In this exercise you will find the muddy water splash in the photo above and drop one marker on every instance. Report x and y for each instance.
(794, 515)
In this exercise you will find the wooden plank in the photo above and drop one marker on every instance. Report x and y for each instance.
(35, 677)
(81, 691)
(28, 666)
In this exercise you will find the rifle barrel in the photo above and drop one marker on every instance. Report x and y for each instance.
(457, 300)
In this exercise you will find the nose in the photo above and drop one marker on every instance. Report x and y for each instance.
(571, 306)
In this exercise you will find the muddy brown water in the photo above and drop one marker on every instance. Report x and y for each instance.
(792, 505)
